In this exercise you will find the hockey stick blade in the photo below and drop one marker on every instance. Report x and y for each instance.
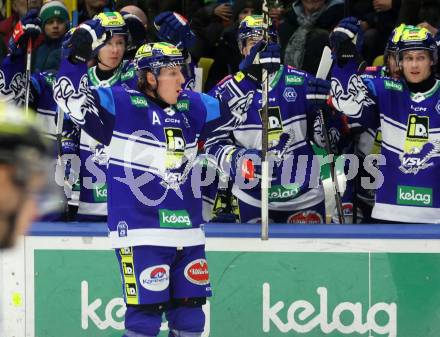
(325, 64)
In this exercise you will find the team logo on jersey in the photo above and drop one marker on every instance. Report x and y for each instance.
(175, 147)
(414, 196)
(305, 217)
(122, 227)
(100, 155)
(155, 278)
(275, 123)
(290, 94)
(437, 107)
(197, 272)
(419, 159)
(392, 85)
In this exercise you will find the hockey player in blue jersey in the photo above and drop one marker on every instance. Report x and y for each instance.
(154, 217)
(407, 112)
(296, 194)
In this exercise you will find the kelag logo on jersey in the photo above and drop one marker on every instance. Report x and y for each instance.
(174, 219)
(414, 196)
(275, 123)
(175, 147)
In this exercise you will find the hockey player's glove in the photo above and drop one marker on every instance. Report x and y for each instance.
(174, 28)
(137, 33)
(261, 56)
(85, 42)
(245, 162)
(28, 27)
(317, 92)
(346, 40)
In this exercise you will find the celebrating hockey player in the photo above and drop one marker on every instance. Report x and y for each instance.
(296, 194)
(154, 217)
(406, 111)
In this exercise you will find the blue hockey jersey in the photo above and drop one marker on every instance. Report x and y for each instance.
(410, 132)
(152, 154)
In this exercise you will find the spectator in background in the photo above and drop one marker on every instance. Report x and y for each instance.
(19, 9)
(378, 19)
(305, 31)
(54, 23)
(90, 8)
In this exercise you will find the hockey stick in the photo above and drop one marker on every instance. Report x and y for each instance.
(324, 68)
(265, 137)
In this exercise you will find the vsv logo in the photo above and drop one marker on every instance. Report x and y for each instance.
(300, 316)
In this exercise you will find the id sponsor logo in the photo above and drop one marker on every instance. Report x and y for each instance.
(155, 278)
(197, 272)
(414, 196)
(303, 317)
(174, 219)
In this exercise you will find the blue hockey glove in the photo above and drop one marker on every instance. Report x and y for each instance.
(27, 27)
(264, 56)
(346, 40)
(85, 41)
(317, 92)
(137, 32)
(174, 28)
(246, 162)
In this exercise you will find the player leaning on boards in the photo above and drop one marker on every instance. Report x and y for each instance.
(296, 194)
(408, 114)
(154, 217)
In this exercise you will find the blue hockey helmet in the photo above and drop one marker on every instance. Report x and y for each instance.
(113, 23)
(155, 56)
(252, 27)
(417, 38)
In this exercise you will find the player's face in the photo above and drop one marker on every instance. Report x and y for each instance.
(250, 42)
(170, 81)
(110, 56)
(416, 65)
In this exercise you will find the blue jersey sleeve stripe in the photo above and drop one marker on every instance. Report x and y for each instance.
(212, 107)
(106, 99)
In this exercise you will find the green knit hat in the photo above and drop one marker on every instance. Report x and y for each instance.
(53, 9)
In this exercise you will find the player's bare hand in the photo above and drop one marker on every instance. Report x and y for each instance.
(224, 12)
(382, 5)
(426, 25)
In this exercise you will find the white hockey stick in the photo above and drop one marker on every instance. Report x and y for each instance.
(324, 68)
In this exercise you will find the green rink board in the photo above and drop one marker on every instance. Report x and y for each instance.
(256, 294)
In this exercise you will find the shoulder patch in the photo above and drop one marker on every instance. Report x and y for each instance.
(183, 105)
(224, 80)
(371, 68)
(393, 85)
(294, 80)
(139, 101)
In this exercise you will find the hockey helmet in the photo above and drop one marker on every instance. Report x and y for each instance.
(252, 27)
(391, 46)
(155, 56)
(417, 38)
(113, 23)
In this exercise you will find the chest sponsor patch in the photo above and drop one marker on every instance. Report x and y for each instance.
(197, 272)
(100, 193)
(290, 94)
(391, 85)
(281, 193)
(174, 219)
(414, 196)
(139, 101)
(294, 80)
(155, 278)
